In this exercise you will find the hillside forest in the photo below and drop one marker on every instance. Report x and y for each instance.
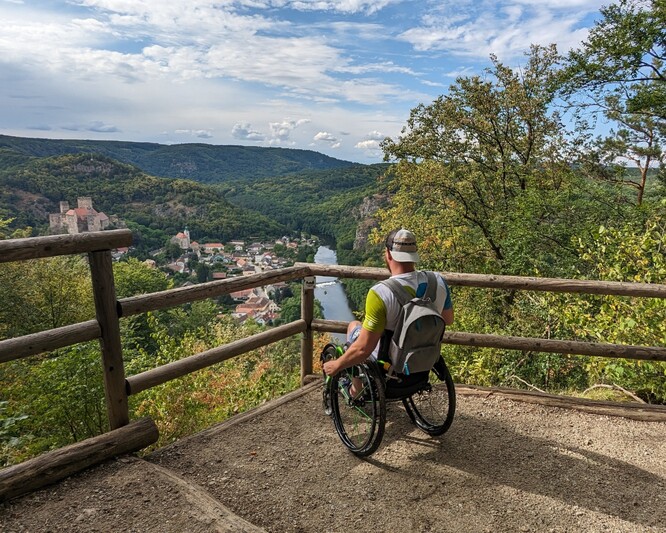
(552, 169)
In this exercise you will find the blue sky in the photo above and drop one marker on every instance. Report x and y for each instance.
(335, 76)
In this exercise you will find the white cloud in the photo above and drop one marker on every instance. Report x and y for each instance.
(367, 145)
(201, 134)
(375, 136)
(371, 148)
(432, 83)
(237, 70)
(95, 126)
(325, 137)
(479, 28)
(377, 67)
(460, 72)
(341, 6)
(244, 132)
(281, 131)
(198, 40)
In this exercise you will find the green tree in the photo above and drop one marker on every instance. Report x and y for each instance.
(4, 225)
(470, 163)
(203, 272)
(290, 307)
(619, 72)
(624, 53)
(638, 139)
(172, 250)
(43, 294)
(630, 252)
(133, 277)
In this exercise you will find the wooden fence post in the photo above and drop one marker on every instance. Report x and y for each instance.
(307, 314)
(101, 270)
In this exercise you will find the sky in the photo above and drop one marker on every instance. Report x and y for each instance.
(335, 76)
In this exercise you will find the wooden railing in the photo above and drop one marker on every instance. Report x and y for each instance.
(18, 479)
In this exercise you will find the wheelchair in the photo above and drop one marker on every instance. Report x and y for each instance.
(429, 398)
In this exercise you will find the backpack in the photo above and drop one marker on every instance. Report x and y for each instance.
(417, 338)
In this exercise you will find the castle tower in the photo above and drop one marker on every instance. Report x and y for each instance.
(85, 202)
(64, 207)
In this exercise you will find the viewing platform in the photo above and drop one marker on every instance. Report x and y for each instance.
(504, 465)
(512, 460)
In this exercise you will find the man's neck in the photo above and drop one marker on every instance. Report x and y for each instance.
(401, 268)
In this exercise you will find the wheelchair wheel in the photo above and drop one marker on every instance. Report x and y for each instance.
(359, 419)
(433, 407)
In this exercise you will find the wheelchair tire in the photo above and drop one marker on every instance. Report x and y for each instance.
(359, 420)
(432, 409)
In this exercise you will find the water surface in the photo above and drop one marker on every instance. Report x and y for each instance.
(330, 293)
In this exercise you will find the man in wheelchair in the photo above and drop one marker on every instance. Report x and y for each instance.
(408, 312)
(382, 308)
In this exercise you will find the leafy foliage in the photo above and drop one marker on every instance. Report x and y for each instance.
(484, 172)
(321, 203)
(625, 52)
(196, 401)
(42, 294)
(485, 175)
(634, 252)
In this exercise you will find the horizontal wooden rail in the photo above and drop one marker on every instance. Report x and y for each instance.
(636, 411)
(211, 289)
(480, 340)
(51, 339)
(647, 353)
(488, 281)
(344, 271)
(611, 288)
(164, 373)
(329, 326)
(58, 464)
(52, 245)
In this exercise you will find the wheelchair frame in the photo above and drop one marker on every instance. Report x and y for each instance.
(429, 399)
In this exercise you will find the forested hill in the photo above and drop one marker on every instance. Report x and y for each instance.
(205, 163)
(154, 208)
(324, 202)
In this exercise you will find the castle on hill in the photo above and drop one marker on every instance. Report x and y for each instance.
(81, 219)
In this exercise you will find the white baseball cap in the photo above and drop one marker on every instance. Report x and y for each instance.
(402, 245)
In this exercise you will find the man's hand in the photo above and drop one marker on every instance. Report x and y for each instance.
(331, 367)
(357, 352)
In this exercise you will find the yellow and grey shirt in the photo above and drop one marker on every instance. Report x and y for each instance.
(382, 308)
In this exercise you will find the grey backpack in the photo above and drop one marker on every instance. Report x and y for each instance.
(417, 338)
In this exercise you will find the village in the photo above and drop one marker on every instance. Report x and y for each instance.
(189, 262)
(217, 261)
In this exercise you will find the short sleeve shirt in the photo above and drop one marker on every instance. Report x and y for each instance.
(382, 309)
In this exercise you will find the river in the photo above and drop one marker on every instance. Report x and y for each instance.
(330, 293)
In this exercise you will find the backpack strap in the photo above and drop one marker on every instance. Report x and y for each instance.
(403, 296)
(431, 290)
(398, 290)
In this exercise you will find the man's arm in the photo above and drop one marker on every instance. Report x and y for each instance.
(358, 352)
(447, 312)
(447, 315)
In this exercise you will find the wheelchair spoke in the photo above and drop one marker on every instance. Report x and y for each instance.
(359, 418)
(433, 409)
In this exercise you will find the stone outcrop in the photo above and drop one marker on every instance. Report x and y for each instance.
(364, 214)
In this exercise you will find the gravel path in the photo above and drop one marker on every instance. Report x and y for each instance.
(503, 466)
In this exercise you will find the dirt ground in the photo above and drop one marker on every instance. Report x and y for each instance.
(503, 466)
